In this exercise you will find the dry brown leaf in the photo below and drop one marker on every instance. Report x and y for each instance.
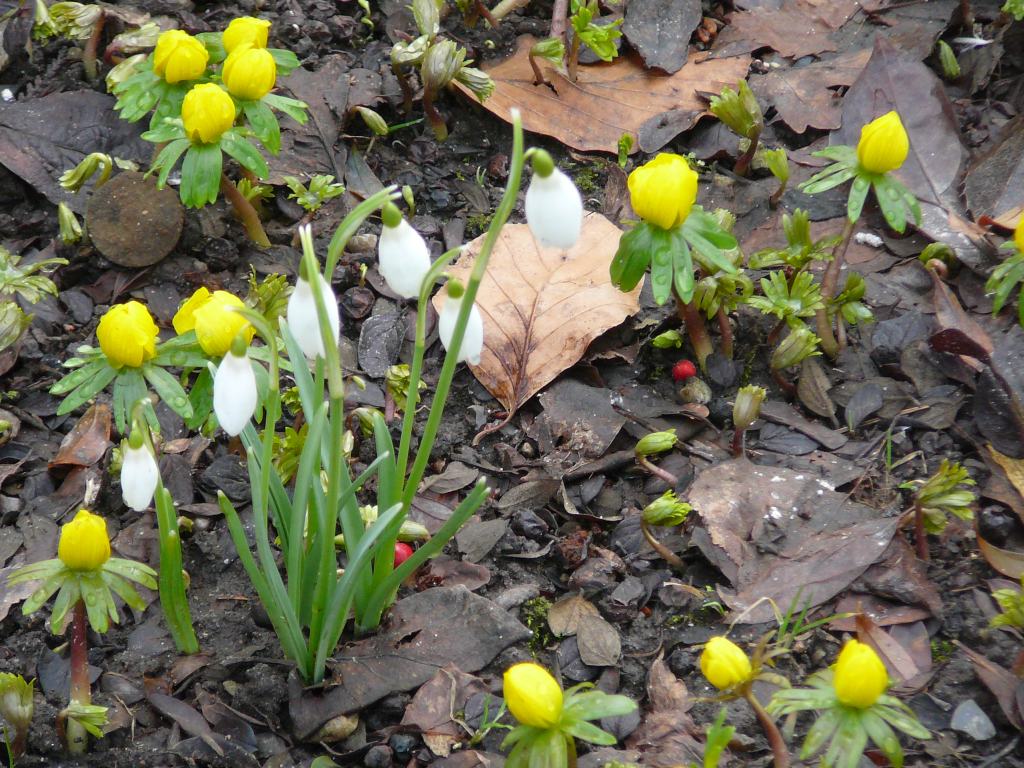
(667, 734)
(564, 616)
(88, 441)
(542, 307)
(798, 28)
(609, 100)
(804, 97)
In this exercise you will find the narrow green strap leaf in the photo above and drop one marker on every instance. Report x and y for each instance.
(245, 153)
(169, 390)
(858, 194)
(200, 175)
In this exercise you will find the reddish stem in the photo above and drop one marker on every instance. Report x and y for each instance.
(433, 116)
(75, 734)
(248, 215)
(738, 442)
(725, 329)
(829, 284)
(742, 167)
(696, 330)
(574, 58)
(664, 552)
(771, 731)
(559, 15)
(657, 471)
(787, 386)
(91, 48)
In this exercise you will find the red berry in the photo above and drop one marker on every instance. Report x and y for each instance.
(402, 552)
(683, 370)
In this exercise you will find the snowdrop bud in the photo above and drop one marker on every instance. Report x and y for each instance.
(404, 256)
(302, 317)
(139, 473)
(473, 339)
(234, 389)
(554, 208)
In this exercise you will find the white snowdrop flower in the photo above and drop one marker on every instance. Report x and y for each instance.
(404, 255)
(234, 392)
(302, 317)
(554, 208)
(473, 338)
(139, 474)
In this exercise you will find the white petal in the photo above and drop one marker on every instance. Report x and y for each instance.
(404, 259)
(302, 318)
(139, 476)
(472, 340)
(234, 393)
(554, 210)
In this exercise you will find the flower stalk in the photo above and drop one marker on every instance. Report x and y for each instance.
(245, 211)
(76, 737)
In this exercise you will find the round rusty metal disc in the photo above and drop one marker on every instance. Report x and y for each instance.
(133, 223)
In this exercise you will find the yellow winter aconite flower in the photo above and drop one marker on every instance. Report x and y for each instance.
(1018, 235)
(207, 112)
(249, 73)
(883, 144)
(860, 676)
(178, 56)
(127, 335)
(663, 190)
(533, 696)
(84, 544)
(246, 30)
(724, 663)
(212, 317)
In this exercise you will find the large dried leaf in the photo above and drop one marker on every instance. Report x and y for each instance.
(667, 734)
(541, 307)
(778, 533)
(805, 97)
(894, 80)
(797, 28)
(660, 31)
(608, 100)
(994, 185)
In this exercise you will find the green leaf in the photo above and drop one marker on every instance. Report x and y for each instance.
(661, 268)
(245, 153)
(76, 378)
(294, 108)
(891, 202)
(285, 60)
(264, 124)
(849, 741)
(589, 732)
(632, 257)
(595, 705)
(883, 736)
(168, 158)
(820, 732)
(682, 271)
(99, 380)
(858, 194)
(170, 391)
(832, 176)
(200, 175)
(214, 44)
(165, 130)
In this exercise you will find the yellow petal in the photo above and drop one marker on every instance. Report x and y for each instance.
(533, 696)
(127, 335)
(663, 191)
(184, 319)
(84, 544)
(883, 144)
(859, 676)
(724, 663)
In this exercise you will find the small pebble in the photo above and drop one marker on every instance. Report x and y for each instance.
(378, 757)
(968, 718)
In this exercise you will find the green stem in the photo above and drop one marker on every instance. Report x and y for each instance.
(416, 367)
(353, 221)
(501, 216)
(76, 736)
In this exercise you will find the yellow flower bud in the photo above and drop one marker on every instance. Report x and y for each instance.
(533, 696)
(860, 676)
(249, 73)
(207, 112)
(663, 190)
(1018, 235)
(246, 30)
(724, 663)
(84, 544)
(127, 335)
(883, 144)
(178, 56)
(212, 317)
